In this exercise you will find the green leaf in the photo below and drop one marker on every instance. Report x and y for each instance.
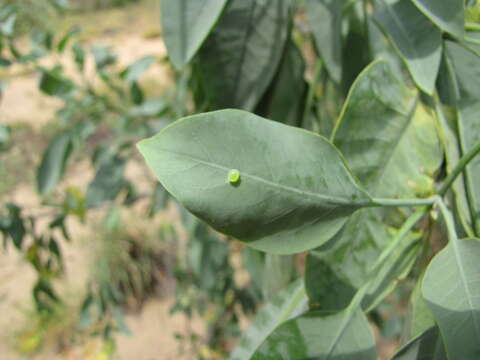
(295, 190)
(242, 54)
(418, 41)
(447, 15)
(52, 167)
(284, 100)
(103, 56)
(321, 336)
(421, 318)
(53, 83)
(464, 85)
(5, 135)
(325, 19)
(392, 148)
(108, 181)
(186, 24)
(287, 304)
(452, 291)
(133, 71)
(427, 346)
(277, 273)
(64, 40)
(388, 139)
(335, 271)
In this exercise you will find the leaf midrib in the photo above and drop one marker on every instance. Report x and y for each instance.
(336, 200)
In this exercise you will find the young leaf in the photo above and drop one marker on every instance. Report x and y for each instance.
(452, 291)
(428, 345)
(418, 41)
(447, 15)
(295, 190)
(325, 20)
(287, 304)
(186, 24)
(53, 162)
(242, 54)
(322, 336)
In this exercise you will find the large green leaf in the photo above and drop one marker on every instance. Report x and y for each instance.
(448, 15)
(387, 137)
(418, 41)
(452, 291)
(325, 19)
(186, 24)
(241, 56)
(321, 336)
(427, 346)
(393, 149)
(280, 189)
(287, 304)
(53, 162)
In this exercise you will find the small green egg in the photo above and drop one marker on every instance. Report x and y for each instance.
(233, 176)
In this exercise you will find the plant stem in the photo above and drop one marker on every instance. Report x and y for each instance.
(447, 216)
(406, 227)
(458, 169)
(404, 202)
(472, 26)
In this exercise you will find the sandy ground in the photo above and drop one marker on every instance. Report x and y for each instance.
(153, 328)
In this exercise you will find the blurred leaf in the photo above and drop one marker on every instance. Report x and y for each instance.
(240, 57)
(64, 40)
(54, 159)
(78, 55)
(149, 107)
(186, 24)
(452, 291)
(8, 25)
(277, 196)
(53, 83)
(5, 133)
(108, 182)
(133, 71)
(159, 199)
(103, 56)
(325, 20)
(284, 306)
(418, 41)
(136, 93)
(12, 224)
